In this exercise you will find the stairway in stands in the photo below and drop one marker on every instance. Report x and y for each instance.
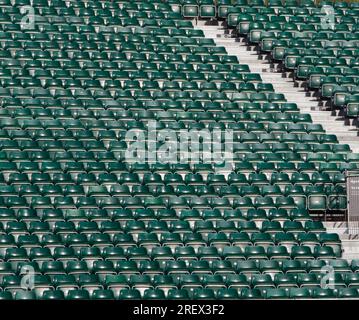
(260, 64)
(307, 104)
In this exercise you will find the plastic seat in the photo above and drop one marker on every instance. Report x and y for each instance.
(177, 294)
(78, 295)
(299, 293)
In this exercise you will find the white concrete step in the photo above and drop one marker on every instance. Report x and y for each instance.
(306, 104)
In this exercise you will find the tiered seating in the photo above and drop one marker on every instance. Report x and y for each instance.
(93, 226)
(321, 51)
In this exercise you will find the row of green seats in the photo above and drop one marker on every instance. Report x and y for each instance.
(182, 294)
(275, 245)
(170, 260)
(316, 200)
(208, 9)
